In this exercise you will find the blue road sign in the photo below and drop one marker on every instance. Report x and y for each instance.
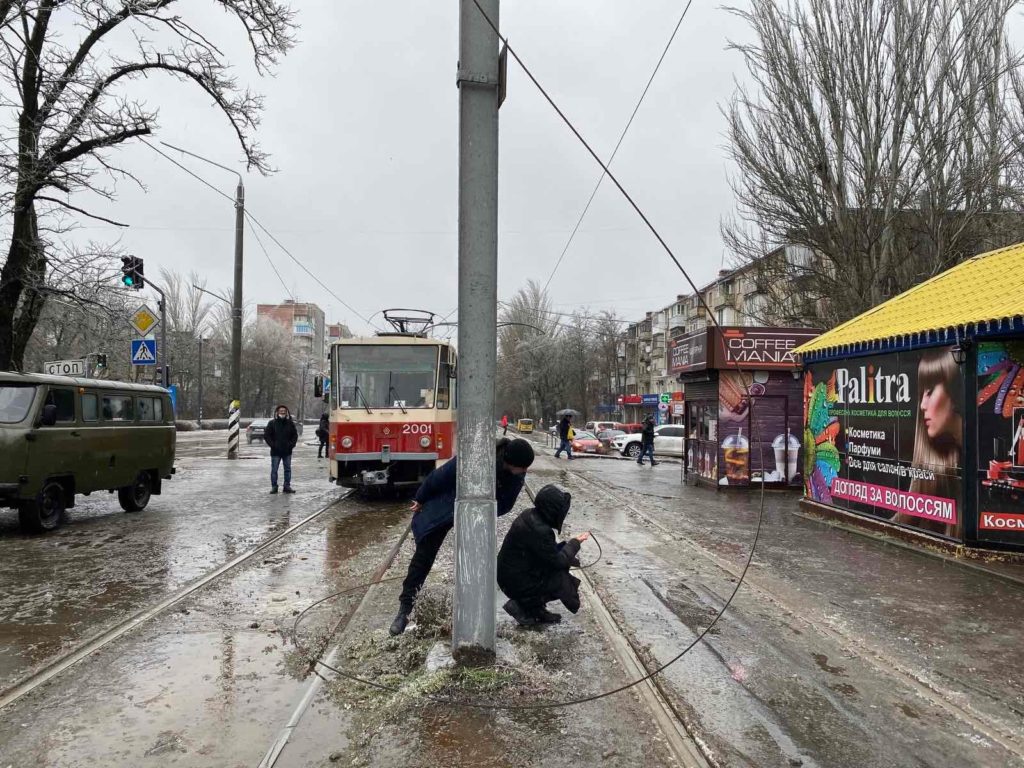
(143, 351)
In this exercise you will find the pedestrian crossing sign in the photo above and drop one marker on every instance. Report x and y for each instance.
(143, 351)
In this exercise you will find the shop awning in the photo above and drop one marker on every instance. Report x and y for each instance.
(981, 294)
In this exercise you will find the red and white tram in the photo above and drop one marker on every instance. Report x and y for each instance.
(392, 406)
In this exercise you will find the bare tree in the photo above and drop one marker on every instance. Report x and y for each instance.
(72, 108)
(879, 137)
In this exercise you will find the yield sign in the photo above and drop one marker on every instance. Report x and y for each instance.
(143, 320)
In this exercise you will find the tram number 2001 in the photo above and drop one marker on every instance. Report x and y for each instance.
(417, 429)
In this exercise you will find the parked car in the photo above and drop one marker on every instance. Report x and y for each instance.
(606, 437)
(585, 442)
(632, 428)
(524, 426)
(601, 426)
(668, 441)
(64, 437)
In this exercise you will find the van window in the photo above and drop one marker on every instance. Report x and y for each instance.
(147, 409)
(15, 400)
(90, 408)
(117, 408)
(158, 412)
(64, 399)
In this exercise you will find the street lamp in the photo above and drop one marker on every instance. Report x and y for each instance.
(959, 352)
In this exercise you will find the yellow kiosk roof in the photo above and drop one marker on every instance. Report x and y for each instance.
(984, 289)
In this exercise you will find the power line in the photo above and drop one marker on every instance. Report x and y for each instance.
(190, 172)
(303, 267)
(611, 158)
(270, 261)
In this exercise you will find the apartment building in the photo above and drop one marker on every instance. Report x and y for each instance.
(305, 322)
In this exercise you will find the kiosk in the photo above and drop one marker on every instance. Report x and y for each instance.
(743, 410)
(914, 411)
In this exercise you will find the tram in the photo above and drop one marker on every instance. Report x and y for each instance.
(392, 404)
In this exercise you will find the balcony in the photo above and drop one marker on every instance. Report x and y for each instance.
(677, 322)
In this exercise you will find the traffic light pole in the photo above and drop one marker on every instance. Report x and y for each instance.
(163, 354)
(473, 624)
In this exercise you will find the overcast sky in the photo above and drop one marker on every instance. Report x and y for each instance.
(361, 121)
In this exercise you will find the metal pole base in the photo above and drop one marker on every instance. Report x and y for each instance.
(473, 617)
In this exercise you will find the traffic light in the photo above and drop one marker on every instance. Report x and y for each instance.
(131, 272)
(101, 361)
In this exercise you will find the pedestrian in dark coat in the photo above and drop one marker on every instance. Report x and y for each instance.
(322, 433)
(647, 442)
(565, 433)
(281, 435)
(433, 509)
(533, 569)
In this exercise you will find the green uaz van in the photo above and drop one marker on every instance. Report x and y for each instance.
(60, 437)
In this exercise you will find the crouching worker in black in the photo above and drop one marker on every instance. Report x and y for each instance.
(533, 569)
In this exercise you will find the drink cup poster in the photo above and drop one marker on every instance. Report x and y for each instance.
(883, 436)
(1001, 441)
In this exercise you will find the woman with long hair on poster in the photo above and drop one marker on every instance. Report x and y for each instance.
(938, 438)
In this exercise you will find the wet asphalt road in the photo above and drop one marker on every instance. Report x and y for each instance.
(103, 565)
(839, 651)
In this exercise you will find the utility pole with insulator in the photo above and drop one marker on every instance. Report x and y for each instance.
(473, 623)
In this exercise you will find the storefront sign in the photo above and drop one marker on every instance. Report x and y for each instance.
(759, 348)
(1001, 441)
(883, 436)
(689, 353)
(632, 400)
(651, 399)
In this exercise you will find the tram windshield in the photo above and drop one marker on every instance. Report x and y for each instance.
(385, 376)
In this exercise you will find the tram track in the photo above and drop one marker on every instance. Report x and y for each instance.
(99, 641)
(928, 689)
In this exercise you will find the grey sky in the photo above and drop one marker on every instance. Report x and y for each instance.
(361, 120)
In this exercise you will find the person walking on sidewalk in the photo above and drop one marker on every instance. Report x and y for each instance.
(504, 424)
(565, 435)
(280, 434)
(433, 509)
(647, 442)
(533, 569)
(322, 433)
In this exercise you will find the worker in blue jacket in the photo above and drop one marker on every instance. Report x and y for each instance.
(433, 509)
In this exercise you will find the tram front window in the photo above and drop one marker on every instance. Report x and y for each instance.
(385, 376)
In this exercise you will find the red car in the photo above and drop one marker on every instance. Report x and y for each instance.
(585, 442)
(631, 429)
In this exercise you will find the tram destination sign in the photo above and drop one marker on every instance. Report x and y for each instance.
(65, 368)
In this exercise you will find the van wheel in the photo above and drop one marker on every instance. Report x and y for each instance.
(44, 512)
(633, 450)
(135, 497)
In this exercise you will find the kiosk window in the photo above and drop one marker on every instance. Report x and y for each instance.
(90, 408)
(64, 399)
(118, 409)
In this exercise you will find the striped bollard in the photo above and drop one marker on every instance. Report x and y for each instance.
(234, 416)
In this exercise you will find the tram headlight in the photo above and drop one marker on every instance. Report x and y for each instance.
(346, 442)
(424, 442)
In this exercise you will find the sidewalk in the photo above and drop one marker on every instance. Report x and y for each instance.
(839, 650)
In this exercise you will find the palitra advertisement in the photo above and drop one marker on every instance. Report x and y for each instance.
(883, 436)
(1001, 441)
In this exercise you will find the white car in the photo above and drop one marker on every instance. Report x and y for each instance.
(668, 441)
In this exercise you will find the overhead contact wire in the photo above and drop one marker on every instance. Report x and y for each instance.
(615, 151)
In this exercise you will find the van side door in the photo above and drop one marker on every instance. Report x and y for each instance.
(57, 450)
(94, 441)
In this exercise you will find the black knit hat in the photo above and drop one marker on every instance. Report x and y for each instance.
(518, 453)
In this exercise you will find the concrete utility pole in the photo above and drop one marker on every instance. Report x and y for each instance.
(235, 408)
(475, 508)
(236, 327)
